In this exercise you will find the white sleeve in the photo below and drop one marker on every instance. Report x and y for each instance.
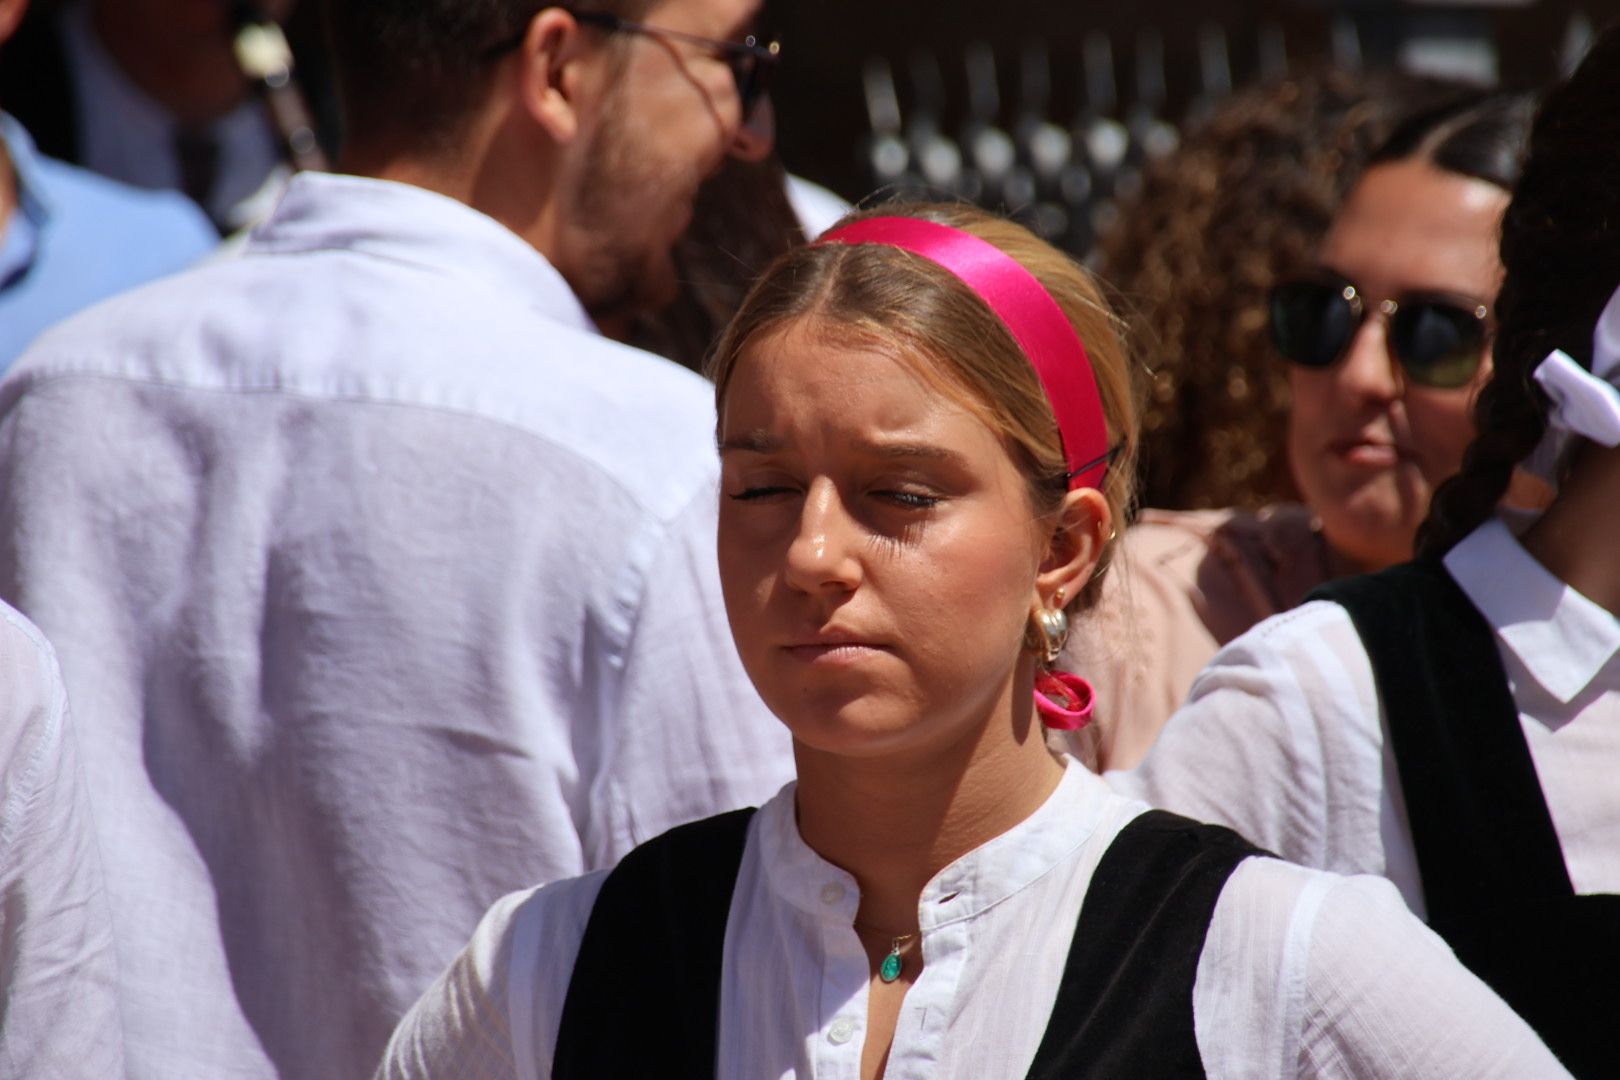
(59, 1010)
(493, 1014)
(1307, 974)
(1385, 996)
(685, 736)
(1280, 740)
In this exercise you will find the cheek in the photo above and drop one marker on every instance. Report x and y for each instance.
(1442, 427)
(970, 585)
(1310, 396)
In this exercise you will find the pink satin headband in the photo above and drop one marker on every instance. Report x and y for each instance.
(1028, 311)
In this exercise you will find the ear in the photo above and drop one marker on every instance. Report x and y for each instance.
(1084, 525)
(11, 13)
(554, 69)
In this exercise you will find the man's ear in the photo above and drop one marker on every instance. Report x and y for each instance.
(1083, 528)
(553, 71)
(11, 13)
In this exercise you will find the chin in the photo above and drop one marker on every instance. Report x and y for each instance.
(847, 728)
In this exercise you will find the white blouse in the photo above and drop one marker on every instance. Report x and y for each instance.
(1283, 735)
(1302, 973)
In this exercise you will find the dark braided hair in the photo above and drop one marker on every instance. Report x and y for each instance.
(1561, 252)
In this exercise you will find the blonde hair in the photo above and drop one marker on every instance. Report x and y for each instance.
(873, 293)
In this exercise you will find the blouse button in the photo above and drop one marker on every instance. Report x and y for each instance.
(832, 892)
(840, 1032)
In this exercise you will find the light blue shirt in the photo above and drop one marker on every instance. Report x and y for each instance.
(75, 238)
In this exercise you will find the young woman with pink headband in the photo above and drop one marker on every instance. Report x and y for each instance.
(926, 425)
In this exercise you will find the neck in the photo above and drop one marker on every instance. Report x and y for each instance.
(895, 822)
(1574, 538)
(194, 77)
(487, 166)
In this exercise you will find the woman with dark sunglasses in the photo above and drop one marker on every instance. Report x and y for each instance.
(1386, 336)
(1453, 723)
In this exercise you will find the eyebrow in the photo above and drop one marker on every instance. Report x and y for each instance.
(760, 441)
(901, 450)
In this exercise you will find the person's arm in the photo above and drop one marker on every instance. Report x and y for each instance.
(493, 1013)
(1385, 996)
(1281, 740)
(684, 735)
(58, 969)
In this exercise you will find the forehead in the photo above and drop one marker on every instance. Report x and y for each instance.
(721, 19)
(809, 375)
(1411, 226)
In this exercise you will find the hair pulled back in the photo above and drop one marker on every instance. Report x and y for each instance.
(1561, 251)
(879, 295)
(1478, 135)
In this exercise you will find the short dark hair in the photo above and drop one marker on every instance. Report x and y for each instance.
(1561, 252)
(414, 70)
(1480, 135)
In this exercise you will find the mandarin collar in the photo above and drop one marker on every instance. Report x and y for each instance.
(1563, 639)
(974, 883)
(407, 224)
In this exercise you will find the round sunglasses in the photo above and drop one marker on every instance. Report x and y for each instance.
(1439, 339)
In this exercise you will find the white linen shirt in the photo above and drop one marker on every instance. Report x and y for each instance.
(1303, 974)
(382, 586)
(1283, 736)
(58, 971)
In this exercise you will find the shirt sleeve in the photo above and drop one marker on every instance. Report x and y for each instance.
(1281, 740)
(685, 736)
(1314, 975)
(1385, 996)
(493, 1014)
(58, 969)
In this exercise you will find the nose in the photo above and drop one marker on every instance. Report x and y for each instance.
(756, 136)
(1369, 370)
(822, 557)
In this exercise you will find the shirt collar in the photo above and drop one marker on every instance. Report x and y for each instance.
(33, 195)
(1563, 639)
(19, 236)
(967, 887)
(403, 223)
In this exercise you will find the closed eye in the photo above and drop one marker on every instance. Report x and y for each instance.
(915, 500)
(750, 494)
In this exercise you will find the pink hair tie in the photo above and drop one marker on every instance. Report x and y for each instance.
(1028, 311)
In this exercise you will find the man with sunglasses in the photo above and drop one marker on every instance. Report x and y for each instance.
(384, 583)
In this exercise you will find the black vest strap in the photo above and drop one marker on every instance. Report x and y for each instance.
(1125, 1006)
(1493, 872)
(1471, 790)
(644, 999)
(653, 946)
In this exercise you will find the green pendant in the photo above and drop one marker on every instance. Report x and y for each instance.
(890, 968)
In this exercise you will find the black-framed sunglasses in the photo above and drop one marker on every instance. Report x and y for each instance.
(751, 61)
(1438, 338)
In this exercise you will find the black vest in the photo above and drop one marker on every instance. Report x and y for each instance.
(1493, 873)
(644, 999)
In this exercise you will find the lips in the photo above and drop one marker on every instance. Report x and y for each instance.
(1368, 451)
(835, 646)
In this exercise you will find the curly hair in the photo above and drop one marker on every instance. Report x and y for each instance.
(1561, 252)
(1247, 197)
